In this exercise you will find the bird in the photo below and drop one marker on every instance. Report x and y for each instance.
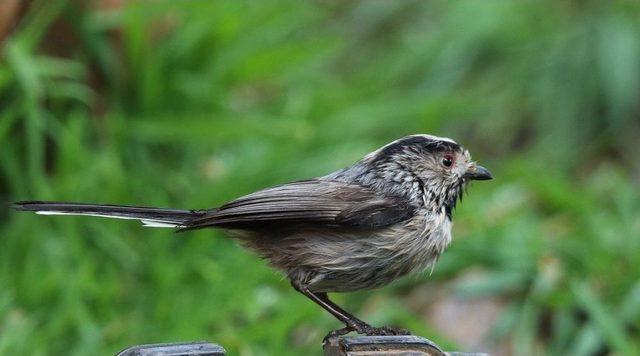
(358, 228)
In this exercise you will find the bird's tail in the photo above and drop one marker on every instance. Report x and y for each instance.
(153, 217)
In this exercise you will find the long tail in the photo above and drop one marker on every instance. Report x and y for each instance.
(153, 217)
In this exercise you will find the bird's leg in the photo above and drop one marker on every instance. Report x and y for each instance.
(359, 326)
(351, 322)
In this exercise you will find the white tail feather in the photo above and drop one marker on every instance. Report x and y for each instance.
(154, 223)
(145, 222)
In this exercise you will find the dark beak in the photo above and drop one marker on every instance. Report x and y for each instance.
(478, 173)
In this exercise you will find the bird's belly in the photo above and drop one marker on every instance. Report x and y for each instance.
(339, 263)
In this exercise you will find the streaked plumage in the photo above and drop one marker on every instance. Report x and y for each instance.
(357, 228)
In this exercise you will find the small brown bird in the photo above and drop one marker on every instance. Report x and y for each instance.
(357, 228)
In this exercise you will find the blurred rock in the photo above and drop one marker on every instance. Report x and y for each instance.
(467, 321)
(10, 13)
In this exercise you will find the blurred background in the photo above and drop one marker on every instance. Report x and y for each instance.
(190, 103)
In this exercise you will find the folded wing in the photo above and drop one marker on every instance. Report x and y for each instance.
(315, 204)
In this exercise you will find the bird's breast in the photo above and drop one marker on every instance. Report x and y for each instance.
(348, 261)
(431, 234)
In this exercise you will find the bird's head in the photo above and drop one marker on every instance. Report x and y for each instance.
(439, 166)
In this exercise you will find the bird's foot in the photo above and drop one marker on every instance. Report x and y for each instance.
(338, 332)
(366, 329)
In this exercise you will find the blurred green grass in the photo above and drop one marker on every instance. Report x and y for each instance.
(192, 103)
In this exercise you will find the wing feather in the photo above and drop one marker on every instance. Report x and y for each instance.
(311, 203)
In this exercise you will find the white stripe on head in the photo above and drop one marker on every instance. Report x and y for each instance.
(430, 137)
(434, 138)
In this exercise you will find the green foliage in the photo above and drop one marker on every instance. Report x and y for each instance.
(191, 103)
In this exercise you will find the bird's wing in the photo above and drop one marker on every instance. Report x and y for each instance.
(314, 204)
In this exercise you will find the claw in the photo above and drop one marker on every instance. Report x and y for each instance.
(366, 329)
(338, 332)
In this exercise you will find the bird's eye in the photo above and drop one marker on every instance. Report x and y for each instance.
(447, 161)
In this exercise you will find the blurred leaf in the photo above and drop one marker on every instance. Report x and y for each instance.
(195, 102)
(602, 318)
